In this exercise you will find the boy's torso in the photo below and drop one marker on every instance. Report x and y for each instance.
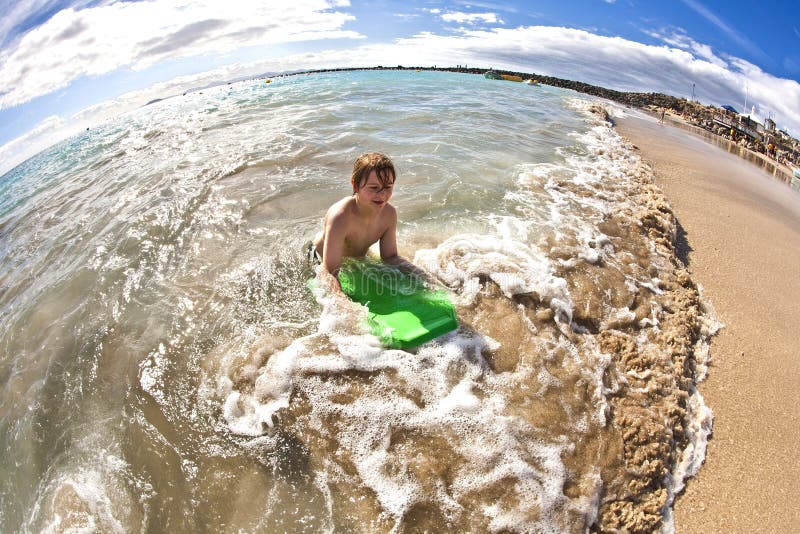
(359, 235)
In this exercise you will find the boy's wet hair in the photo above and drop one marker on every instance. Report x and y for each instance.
(372, 161)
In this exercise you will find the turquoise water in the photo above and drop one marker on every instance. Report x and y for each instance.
(164, 366)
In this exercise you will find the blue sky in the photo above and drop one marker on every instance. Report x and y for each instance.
(68, 65)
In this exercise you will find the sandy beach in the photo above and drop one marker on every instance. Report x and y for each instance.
(741, 233)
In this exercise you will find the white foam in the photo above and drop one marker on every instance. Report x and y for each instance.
(709, 326)
(514, 266)
(459, 396)
(700, 420)
(85, 499)
(151, 373)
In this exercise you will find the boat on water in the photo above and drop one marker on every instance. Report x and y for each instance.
(531, 81)
(492, 75)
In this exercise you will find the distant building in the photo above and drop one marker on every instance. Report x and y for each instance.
(743, 125)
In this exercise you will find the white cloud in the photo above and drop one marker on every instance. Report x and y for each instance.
(16, 12)
(679, 39)
(492, 6)
(406, 16)
(47, 133)
(99, 40)
(471, 18)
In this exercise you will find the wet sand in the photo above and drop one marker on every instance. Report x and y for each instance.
(740, 229)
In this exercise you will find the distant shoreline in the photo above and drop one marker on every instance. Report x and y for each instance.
(688, 114)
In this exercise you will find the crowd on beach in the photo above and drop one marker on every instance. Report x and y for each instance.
(771, 143)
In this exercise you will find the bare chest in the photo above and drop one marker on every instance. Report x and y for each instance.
(360, 237)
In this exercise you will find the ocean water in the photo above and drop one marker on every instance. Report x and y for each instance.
(164, 366)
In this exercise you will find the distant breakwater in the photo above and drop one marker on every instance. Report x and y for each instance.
(640, 100)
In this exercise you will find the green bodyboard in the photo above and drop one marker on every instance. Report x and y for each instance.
(403, 313)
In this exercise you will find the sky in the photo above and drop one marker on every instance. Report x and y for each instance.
(68, 65)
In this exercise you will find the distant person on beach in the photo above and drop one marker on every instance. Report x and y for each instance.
(663, 111)
(353, 224)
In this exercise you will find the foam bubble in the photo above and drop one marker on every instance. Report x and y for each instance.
(86, 499)
(517, 268)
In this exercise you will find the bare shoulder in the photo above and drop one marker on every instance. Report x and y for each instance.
(389, 213)
(389, 218)
(339, 210)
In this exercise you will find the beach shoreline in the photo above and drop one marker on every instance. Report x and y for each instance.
(742, 233)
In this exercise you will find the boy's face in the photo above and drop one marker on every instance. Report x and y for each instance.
(374, 192)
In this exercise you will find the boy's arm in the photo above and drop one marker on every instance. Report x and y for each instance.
(332, 253)
(388, 246)
(388, 241)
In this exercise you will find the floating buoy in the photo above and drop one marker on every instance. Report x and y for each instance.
(267, 81)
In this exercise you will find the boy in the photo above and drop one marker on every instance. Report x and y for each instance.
(354, 223)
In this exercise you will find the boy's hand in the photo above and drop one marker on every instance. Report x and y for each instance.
(408, 267)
